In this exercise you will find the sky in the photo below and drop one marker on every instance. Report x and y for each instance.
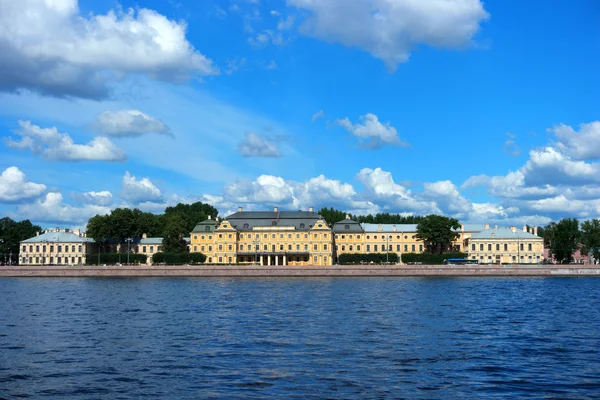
(483, 111)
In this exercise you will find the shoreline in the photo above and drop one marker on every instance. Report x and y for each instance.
(305, 271)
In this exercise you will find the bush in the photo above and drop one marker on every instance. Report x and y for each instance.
(430, 258)
(376, 258)
(113, 258)
(178, 258)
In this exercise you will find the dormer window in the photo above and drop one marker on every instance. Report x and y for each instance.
(207, 229)
(347, 227)
(302, 226)
(246, 226)
(274, 223)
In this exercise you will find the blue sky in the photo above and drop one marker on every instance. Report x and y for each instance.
(487, 112)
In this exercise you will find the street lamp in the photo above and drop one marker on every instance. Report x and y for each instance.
(387, 248)
(128, 240)
(256, 242)
(518, 249)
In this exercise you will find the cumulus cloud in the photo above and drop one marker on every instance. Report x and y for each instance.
(389, 29)
(102, 198)
(50, 144)
(52, 48)
(52, 209)
(15, 187)
(258, 146)
(579, 145)
(124, 123)
(139, 191)
(371, 133)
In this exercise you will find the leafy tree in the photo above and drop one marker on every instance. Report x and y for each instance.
(437, 233)
(565, 240)
(332, 215)
(11, 234)
(547, 233)
(174, 232)
(590, 236)
(387, 218)
(191, 214)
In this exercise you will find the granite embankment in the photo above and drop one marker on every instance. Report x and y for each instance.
(288, 271)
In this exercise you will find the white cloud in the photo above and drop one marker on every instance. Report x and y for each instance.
(129, 123)
(447, 197)
(579, 145)
(139, 191)
(258, 146)
(510, 146)
(50, 47)
(234, 65)
(267, 36)
(52, 209)
(549, 166)
(317, 115)
(50, 144)
(512, 185)
(372, 133)
(389, 29)
(102, 198)
(15, 187)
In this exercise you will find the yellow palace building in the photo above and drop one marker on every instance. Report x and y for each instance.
(265, 238)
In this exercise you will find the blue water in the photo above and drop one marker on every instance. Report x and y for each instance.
(300, 338)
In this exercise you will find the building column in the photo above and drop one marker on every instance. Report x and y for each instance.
(268, 260)
(261, 260)
(276, 259)
(284, 260)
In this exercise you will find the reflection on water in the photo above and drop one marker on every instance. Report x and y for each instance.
(300, 338)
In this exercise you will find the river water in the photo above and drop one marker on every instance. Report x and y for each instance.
(93, 338)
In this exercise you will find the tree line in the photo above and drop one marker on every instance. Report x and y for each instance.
(11, 233)
(565, 237)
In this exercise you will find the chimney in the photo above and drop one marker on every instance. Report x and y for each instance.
(310, 209)
(495, 226)
(144, 236)
(535, 230)
(239, 209)
(513, 229)
(76, 232)
(217, 219)
(37, 233)
(275, 209)
(347, 216)
(486, 226)
(394, 228)
(462, 227)
(525, 228)
(209, 217)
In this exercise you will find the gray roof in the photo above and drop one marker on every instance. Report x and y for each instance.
(472, 228)
(300, 224)
(59, 237)
(154, 240)
(389, 227)
(201, 227)
(274, 215)
(353, 226)
(503, 233)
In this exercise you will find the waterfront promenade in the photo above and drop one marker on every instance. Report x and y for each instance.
(307, 271)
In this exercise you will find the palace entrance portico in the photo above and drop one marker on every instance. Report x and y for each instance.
(274, 258)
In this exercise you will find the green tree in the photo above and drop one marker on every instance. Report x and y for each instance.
(590, 236)
(11, 234)
(565, 239)
(437, 232)
(191, 214)
(547, 233)
(175, 230)
(331, 215)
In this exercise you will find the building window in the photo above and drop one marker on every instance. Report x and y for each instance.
(481, 247)
(31, 249)
(405, 237)
(316, 259)
(220, 260)
(368, 237)
(350, 247)
(302, 226)
(343, 248)
(315, 247)
(280, 247)
(306, 248)
(413, 248)
(151, 249)
(298, 247)
(306, 236)
(358, 247)
(207, 228)
(229, 247)
(220, 247)
(209, 248)
(246, 226)
(347, 227)
(522, 246)
(497, 246)
(58, 260)
(209, 259)
(529, 247)
(143, 249)
(421, 248)
(325, 260)
(343, 236)
(273, 236)
(505, 246)
(202, 248)
(375, 237)
(60, 249)
(195, 249)
(273, 223)
(265, 247)
(368, 247)
(220, 236)
(24, 249)
(51, 248)
(229, 260)
(229, 236)
(405, 248)
(316, 236)
(289, 247)
(241, 247)
(44, 248)
(489, 247)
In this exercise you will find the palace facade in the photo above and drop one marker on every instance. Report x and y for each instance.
(56, 247)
